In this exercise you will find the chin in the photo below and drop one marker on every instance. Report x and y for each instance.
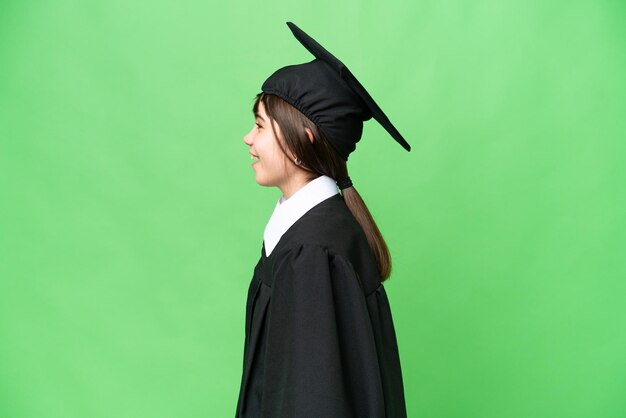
(264, 182)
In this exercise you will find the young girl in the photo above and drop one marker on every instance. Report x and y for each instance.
(319, 336)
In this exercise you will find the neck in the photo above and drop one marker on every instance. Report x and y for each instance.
(292, 185)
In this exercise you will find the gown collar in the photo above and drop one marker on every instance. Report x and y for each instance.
(288, 211)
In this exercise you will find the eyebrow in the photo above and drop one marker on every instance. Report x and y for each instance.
(259, 116)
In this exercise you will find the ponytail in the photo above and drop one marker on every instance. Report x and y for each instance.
(372, 233)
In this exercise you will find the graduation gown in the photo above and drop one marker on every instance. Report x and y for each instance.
(319, 337)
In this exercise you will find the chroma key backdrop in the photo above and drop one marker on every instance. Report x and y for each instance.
(130, 219)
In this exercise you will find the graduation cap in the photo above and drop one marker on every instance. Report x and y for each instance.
(327, 93)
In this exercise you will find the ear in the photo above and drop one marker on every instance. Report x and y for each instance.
(310, 135)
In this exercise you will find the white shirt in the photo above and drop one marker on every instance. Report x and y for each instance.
(288, 211)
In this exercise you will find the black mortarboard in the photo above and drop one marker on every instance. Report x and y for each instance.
(327, 93)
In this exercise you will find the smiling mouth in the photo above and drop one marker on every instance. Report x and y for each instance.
(254, 158)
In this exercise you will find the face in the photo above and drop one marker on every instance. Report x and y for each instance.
(271, 166)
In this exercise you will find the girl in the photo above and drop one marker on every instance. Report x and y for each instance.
(319, 336)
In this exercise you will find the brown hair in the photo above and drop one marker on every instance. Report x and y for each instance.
(319, 157)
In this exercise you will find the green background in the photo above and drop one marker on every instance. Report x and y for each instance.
(130, 220)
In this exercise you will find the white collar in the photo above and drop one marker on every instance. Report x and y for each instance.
(288, 211)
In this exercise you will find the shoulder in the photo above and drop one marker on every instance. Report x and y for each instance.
(329, 233)
(318, 264)
(305, 256)
(310, 262)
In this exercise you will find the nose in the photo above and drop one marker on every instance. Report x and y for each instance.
(248, 139)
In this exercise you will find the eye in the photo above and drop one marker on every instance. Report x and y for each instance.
(258, 126)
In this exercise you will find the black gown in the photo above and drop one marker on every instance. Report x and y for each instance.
(319, 339)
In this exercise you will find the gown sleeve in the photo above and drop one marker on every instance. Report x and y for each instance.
(321, 358)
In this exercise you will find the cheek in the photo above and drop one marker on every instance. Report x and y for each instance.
(271, 155)
(279, 159)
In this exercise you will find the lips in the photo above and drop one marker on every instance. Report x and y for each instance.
(254, 158)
